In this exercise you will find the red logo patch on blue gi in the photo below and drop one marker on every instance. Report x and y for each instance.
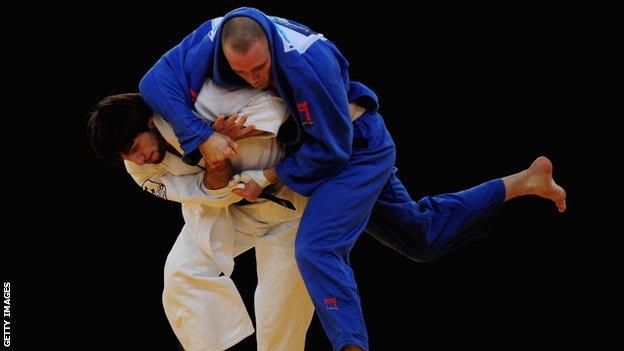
(330, 303)
(304, 108)
(194, 94)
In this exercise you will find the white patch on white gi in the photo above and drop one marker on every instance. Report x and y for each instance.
(155, 188)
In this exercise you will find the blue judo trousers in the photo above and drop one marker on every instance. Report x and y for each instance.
(340, 210)
(346, 168)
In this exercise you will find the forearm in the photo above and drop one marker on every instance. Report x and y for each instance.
(218, 176)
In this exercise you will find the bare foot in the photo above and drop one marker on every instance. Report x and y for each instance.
(536, 180)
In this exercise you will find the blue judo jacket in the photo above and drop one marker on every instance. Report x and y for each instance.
(311, 76)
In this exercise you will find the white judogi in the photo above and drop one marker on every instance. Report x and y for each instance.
(204, 307)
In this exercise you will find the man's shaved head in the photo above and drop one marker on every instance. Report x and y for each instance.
(240, 33)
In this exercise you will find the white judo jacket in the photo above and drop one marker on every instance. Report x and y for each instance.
(206, 212)
(204, 308)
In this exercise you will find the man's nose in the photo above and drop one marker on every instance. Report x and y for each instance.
(253, 78)
(248, 77)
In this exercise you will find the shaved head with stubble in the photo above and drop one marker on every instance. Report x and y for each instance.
(246, 49)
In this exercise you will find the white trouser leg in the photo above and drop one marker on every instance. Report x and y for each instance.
(204, 309)
(282, 304)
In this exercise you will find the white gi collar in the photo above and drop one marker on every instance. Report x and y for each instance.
(167, 132)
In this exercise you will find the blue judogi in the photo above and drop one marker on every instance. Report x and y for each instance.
(345, 167)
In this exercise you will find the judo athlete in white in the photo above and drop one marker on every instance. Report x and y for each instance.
(200, 300)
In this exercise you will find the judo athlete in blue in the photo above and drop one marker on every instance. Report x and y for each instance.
(344, 161)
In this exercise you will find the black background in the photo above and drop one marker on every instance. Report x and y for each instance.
(469, 94)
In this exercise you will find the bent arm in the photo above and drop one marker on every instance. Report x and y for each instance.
(168, 89)
(188, 188)
(166, 96)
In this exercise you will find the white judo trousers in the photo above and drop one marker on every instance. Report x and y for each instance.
(204, 307)
(200, 299)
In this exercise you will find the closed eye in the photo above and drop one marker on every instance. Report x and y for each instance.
(133, 149)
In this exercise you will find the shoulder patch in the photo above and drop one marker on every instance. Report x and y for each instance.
(215, 25)
(295, 36)
(155, 188)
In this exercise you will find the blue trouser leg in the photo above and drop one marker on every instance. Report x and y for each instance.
(434, 225)
(336, 214)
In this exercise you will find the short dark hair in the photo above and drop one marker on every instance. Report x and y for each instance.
(114, 124)
(240, 33)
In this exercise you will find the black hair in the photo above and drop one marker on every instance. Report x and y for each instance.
(114, 124)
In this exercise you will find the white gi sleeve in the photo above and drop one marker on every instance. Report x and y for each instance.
(266, 112)
(186, 188)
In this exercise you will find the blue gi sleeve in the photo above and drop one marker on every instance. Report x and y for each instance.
(167, 97)
(320, 92)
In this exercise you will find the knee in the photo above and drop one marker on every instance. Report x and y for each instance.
(309, 254)
(425, 251)
(170, 289)
(421, 251)
(303, 253)
(169, 282)
(173, 277)
(176, 285)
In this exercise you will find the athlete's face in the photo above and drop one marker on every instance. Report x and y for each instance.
(147, 147)
(254, 66)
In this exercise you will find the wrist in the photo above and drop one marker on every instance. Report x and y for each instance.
(219, 176)
(258, 177)
(271, 175)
